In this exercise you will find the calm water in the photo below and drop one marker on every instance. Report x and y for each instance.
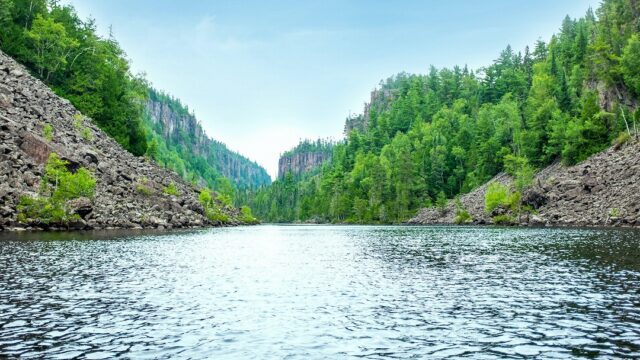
(307, 292)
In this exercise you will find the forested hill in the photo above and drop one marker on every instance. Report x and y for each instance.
(177, 141)
(93, 73)
(427, 138)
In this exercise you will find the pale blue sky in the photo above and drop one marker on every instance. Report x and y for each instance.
(260, 75)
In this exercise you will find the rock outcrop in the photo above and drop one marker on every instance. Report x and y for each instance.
(305, 157)
(27, 106)
(603, 190)
(299, 163)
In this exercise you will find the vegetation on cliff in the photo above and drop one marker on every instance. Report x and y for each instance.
(178, 142)
(94, 74)
(57, 188)
(425, 138)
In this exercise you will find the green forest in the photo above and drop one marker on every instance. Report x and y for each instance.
(428, 138)
(94, 74)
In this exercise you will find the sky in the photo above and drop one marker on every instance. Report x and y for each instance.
(262, 75)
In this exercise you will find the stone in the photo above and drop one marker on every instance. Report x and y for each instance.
(81, 206)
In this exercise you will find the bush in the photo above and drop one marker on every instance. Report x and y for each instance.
(211, 210)
(86, 134)
(143, 188)
(246, 216)
(441, 201)
(171, 189)
(47, 132)
(503, 220)
(497, 195)
(462, 215)
(620, 140)
(84, 131)
(57, 187)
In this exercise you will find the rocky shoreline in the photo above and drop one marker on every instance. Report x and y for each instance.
(129, 191)
(602, 191)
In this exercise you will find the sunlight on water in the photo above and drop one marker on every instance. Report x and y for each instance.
(305, 292)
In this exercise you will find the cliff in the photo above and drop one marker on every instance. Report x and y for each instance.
(600, 191)
(129, 191)
(305, 157)
(183, 134)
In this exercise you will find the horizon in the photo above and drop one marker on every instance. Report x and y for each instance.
(305, 68)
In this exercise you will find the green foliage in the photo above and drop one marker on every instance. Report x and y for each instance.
(246, 216)
(90, 71)
(497, 195)
(49, 46)
(199, 161)
(462, 215)
(152, 149)
(171, 189)
(57, 187)
(441, 201)
(519, 168)
(143, 188)
(631, 64)
(213, 211)
(433, 136)
(503, 219)
(622, 138)
(47, 132)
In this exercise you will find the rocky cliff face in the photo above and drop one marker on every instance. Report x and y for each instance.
(300, 162)
(379, 100)
(178, 126)
(26, 107)
(601, 191)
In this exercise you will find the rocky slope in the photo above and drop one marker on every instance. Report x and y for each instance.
(179, 127)
(26, 107)
(603, 190)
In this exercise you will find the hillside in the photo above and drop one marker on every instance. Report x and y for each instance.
(122, 190)
(600, 191)
(424, 139)
(93, 73)
(183, 146)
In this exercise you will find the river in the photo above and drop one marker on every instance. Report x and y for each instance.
(321, 292)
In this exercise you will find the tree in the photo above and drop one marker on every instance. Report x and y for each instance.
(50, 46)
(631, 64)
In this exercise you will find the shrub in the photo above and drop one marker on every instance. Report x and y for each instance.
(620, 140)
(496, 195)
(57, 187)
(441, 201)
(86, 134)
(462, 215)
(171, 189)
(246, 216)
(143, 188)
(84, 131)
(211, 210)
(503, 220)
(47, 132)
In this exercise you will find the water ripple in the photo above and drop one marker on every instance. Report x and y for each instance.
(306, 292)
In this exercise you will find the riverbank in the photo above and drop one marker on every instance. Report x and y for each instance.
(130, 192)
(602, 191)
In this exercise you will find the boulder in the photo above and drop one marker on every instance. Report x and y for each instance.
(81, 206)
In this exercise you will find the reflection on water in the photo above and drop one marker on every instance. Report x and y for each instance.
(305, 292)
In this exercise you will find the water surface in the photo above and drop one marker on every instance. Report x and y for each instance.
(317, 292)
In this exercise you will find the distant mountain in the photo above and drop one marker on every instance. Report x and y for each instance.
(183, 146)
